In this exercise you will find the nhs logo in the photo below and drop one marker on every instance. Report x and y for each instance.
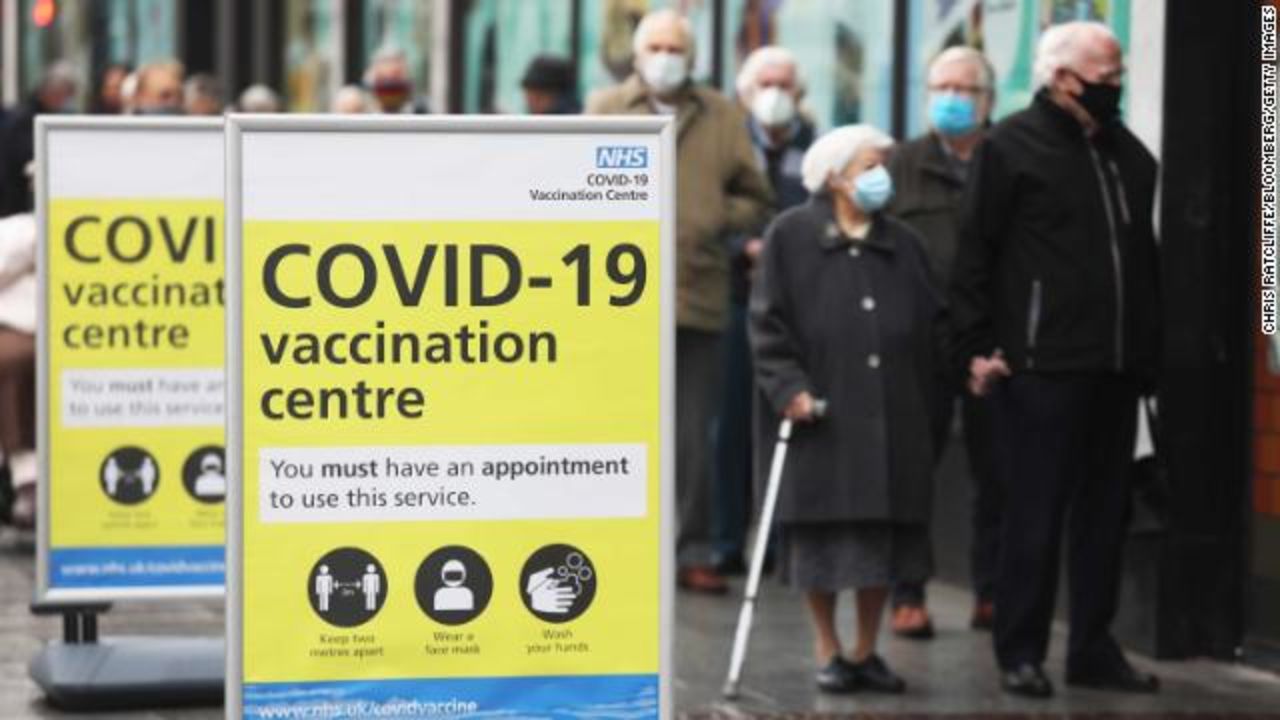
(622, 156)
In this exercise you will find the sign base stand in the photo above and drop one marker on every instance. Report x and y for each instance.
(84, 673)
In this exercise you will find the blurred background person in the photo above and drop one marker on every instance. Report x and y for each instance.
(350, 100)
(769, 89)
(1056, 303)
(259, 99)
(56, 93)
(390, 83)
(720, 193)
(929, 175)
(550, 86)
(108, 97)
(18, 364)
(159, 89)
(202, 95)
(844, 309)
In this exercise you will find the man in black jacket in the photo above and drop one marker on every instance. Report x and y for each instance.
(1056, 312)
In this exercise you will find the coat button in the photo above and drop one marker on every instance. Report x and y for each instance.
(854, 251)
(868, 303)
(873, 361)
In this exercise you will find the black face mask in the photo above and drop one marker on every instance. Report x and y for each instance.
(1100, 100)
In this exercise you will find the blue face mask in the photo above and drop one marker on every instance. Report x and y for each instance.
(872, 189)
(952, 114)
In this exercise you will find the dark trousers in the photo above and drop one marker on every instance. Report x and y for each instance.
(1065, 443)
(732, 480)
(988, 496)
(697, 392)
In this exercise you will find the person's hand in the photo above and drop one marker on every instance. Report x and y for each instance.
(752, 248)
(800, 409)
(985, 371)
(547, 595)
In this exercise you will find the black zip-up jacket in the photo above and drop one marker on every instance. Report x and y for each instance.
(1057, 262)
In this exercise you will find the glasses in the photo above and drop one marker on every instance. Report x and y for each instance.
(958, 89)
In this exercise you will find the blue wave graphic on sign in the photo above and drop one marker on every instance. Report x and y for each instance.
(599, 697)
(115, 567)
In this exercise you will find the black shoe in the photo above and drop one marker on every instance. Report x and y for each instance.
(873, 674)
(731, 564)
(837, 677)
(1117, 675)
(1027, 680)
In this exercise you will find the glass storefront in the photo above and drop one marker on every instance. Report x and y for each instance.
(92, 35)
(844, 49)
(499, 40)
(403, 24)
(309, 52)
(1006, 30)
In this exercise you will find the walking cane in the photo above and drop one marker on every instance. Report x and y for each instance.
(743, 633)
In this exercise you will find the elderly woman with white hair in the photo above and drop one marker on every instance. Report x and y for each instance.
(845, 311)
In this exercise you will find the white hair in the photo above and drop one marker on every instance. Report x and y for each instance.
(259, 99)
(761, 58)
(1060, 47)
(966, 54)
(648, 22)
(349, 98)
(831, 153)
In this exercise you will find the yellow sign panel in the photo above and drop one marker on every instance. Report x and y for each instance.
(451, 436)
(134, 330)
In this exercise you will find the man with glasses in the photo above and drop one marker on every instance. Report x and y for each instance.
(929, 175)
(1055, 302)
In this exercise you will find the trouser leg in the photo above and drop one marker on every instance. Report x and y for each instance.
(941, 411)
(1100, 519)
(697, 359)
(1038, 419)
(732, 479)
(988, 496)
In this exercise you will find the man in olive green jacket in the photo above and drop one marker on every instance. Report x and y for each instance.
(719, 193)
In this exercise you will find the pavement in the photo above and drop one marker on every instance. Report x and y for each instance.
(952, 675)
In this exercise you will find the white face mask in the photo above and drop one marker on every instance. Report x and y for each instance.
(773, 107)
(664, 72)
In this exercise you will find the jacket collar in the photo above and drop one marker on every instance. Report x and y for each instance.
(800, 137)
(831, 238)
(935, 161)
(1055, 115)
(689, 104)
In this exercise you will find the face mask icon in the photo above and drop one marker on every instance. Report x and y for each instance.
(455, 595)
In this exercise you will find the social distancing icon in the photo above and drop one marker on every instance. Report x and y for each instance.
(130, 475)
(347, 587)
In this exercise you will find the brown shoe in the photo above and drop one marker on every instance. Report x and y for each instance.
(702, 579)
(984, 615)
(912, 622)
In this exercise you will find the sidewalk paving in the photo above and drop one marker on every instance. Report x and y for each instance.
(952, 675)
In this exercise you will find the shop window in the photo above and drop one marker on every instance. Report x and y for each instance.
(844, 49)
(499, 40)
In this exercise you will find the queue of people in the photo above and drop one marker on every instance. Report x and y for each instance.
(1003, 271)
(897, 284)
